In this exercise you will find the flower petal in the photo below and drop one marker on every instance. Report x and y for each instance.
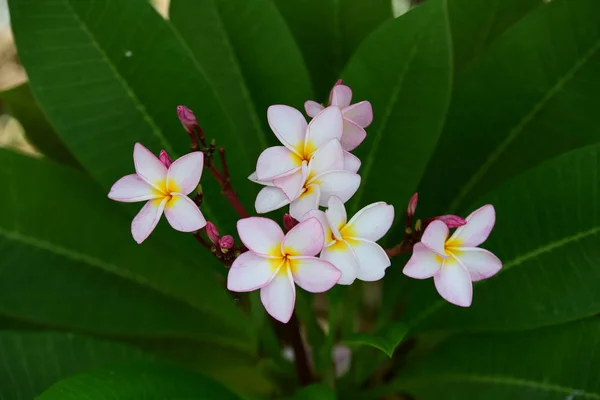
(185, 172)
(479, 225)
(341, 96)
(250, 272)
(342, 184)
(292, 183)
(423, 263)
(353, 135)
(328, 157)
(132, 188)
(145, 221)
(480, 263)
(183, 214)
(289, 125)
(307, 201)
(312, 108)
(149, 168)
(342, 359)
(371, 222)
(336, 215)
(351, 162)
(276, 161)
(261, 236)
(269, 199)
(320, 216)
(372, 259)
(360, 113)
(435, 236)
(341, 255)
(279, 296)
(254, 178)
(453, 283)
(313, 274)
(327, 125)
(305, 239)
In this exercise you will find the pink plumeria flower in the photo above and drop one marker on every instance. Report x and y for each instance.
(276, 261)
(164, 189)
(456, 262)
(350, 245)
(356, 116)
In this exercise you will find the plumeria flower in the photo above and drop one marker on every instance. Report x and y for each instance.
(356, 116)
(350, 245)
(164, 189)
(276, 261)
(312, 185)
(456, 262)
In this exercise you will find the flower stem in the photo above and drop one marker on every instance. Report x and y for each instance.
(300, 356)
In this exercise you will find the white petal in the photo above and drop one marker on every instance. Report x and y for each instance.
(314, 275)
(341, 255)
(423, 263)
(435, 236)
(260, 235)
(276, 161)
(336, 215)
(476, 231)
(312, 108)
(342, 359)
(328, 125)
(360, 113)
(351, 162)
(453, 283)
(372, 260)
(305, 239)
(320, 216)
(289, 125)
(184, 174)
(342, 184)
(132, 188)
(149, 168)
(371, 222)
(254, 178)
(341, 96)
(480, 263)
(145, 221)
(279, 296)
(269, 199)
(328, 157)
(250, 272)
(292, 183)
(353, 135)
(183, 214)
(307, 201)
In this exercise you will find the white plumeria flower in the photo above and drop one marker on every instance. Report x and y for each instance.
(356, 116)
(275, 261)
(164, 189)
(312, 185)
(350, 245)
(456, 262)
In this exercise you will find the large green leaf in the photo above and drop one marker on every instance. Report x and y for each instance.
(33, 361)
(531, 96)
(247, 52)
(558, 363)
(68, 259)
(111, 73)
(386, 340)
(19, 103)
(329, 31)
(138, 381)
(547, 232)
(404, 70)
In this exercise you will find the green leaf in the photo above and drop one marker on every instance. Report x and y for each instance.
(558, 363)
(404, 70)
(253, 67)
(317, 391)
(546, 234)
(33, 361)
(507, 116)
(329, 32)
(138, 381)
(68, 260)
(386, 340)
(110, 73)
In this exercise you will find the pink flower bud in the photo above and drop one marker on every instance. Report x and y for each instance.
(165, 159)
(452, 221)
(212, 232)
(187, 118)
(289, 222)
(226, 242)
(339, 82)
(412, 205)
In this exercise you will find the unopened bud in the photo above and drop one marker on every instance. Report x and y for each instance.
(289, 222)
(187, 118)
(212, 232)
(339, 82)
(165, 159)
(452, 221)
(412, 205)
(226, 242)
